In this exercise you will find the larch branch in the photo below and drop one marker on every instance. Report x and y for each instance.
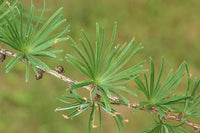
(112, 98)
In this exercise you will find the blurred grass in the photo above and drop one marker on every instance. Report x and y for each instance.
(166, 28)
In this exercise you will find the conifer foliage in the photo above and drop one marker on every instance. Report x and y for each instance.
(105, 65)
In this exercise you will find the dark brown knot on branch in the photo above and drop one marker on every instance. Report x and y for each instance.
(97, 97)
(40, 74)
(2, 57)
(59, 69)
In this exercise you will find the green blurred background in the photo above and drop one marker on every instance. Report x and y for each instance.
(166, 28)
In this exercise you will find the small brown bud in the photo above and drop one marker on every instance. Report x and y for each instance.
(97, 97)
(59, 69)
(2, 57)
(40, 74)
(180, 115)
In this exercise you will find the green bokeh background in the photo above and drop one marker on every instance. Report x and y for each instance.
(166, 28)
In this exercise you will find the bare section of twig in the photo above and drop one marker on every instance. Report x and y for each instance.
(112, 98)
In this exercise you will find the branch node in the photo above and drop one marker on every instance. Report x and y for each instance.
(59, 69)
(2, 57)
(40, 74)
